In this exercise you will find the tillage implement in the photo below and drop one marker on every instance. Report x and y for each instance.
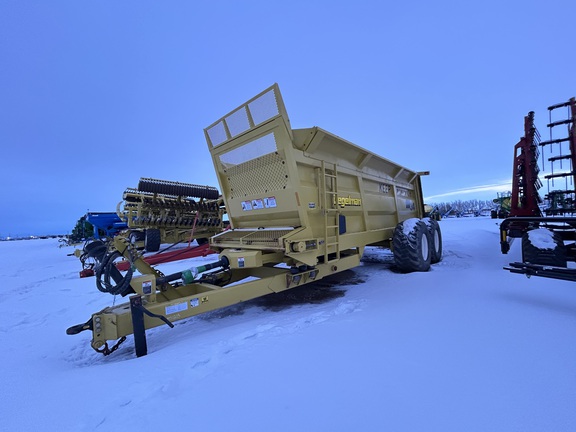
(161, 211)
(157, 212)
(302, 204)
(546, 226)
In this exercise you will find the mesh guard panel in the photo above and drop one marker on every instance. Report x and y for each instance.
(257, 176)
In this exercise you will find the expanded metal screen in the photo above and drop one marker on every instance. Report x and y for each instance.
(271, 176)
(264, 107)
(246, 117)
(256, 157)
(258, 147)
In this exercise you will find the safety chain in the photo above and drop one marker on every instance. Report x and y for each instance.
(107, 351)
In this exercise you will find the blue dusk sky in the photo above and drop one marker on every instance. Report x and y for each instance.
(96, 94)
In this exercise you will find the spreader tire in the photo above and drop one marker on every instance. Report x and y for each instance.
(411, 244)
(436, 240)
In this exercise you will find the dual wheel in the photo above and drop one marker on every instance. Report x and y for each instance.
(417, 243)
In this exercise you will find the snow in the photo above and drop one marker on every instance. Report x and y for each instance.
(409, 226)
(466, 346)
(542, 238)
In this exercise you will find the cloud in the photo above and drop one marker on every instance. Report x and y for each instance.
(476, 190)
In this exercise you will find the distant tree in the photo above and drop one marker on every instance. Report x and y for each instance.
(458, 206)
(82, 230)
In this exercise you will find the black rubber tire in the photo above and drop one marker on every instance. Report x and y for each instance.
(436, 240)
(96, 249)
(136, 236)
(202, 241)
(177, 188)
(152, 240)
(411, 246)
(553, 256)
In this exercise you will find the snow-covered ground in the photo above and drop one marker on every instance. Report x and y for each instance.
(464, 347)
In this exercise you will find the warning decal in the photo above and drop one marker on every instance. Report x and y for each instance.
(176, 308)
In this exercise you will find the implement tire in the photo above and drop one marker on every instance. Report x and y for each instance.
(152, 240)
(135, 237)
(544, 247)
(411, 245)
(96, 249)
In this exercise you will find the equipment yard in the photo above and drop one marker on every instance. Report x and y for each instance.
(465, 346)
(216, 221)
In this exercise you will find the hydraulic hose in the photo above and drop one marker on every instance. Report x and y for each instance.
(107, 272)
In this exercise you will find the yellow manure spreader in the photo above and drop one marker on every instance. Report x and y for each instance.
(302, 204)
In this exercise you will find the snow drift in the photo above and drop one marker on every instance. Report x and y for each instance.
(466, 346)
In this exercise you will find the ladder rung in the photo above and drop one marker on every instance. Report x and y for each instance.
(556, 141)
(559, 122)
(560, 105)
(549, 176)
(555, 158)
